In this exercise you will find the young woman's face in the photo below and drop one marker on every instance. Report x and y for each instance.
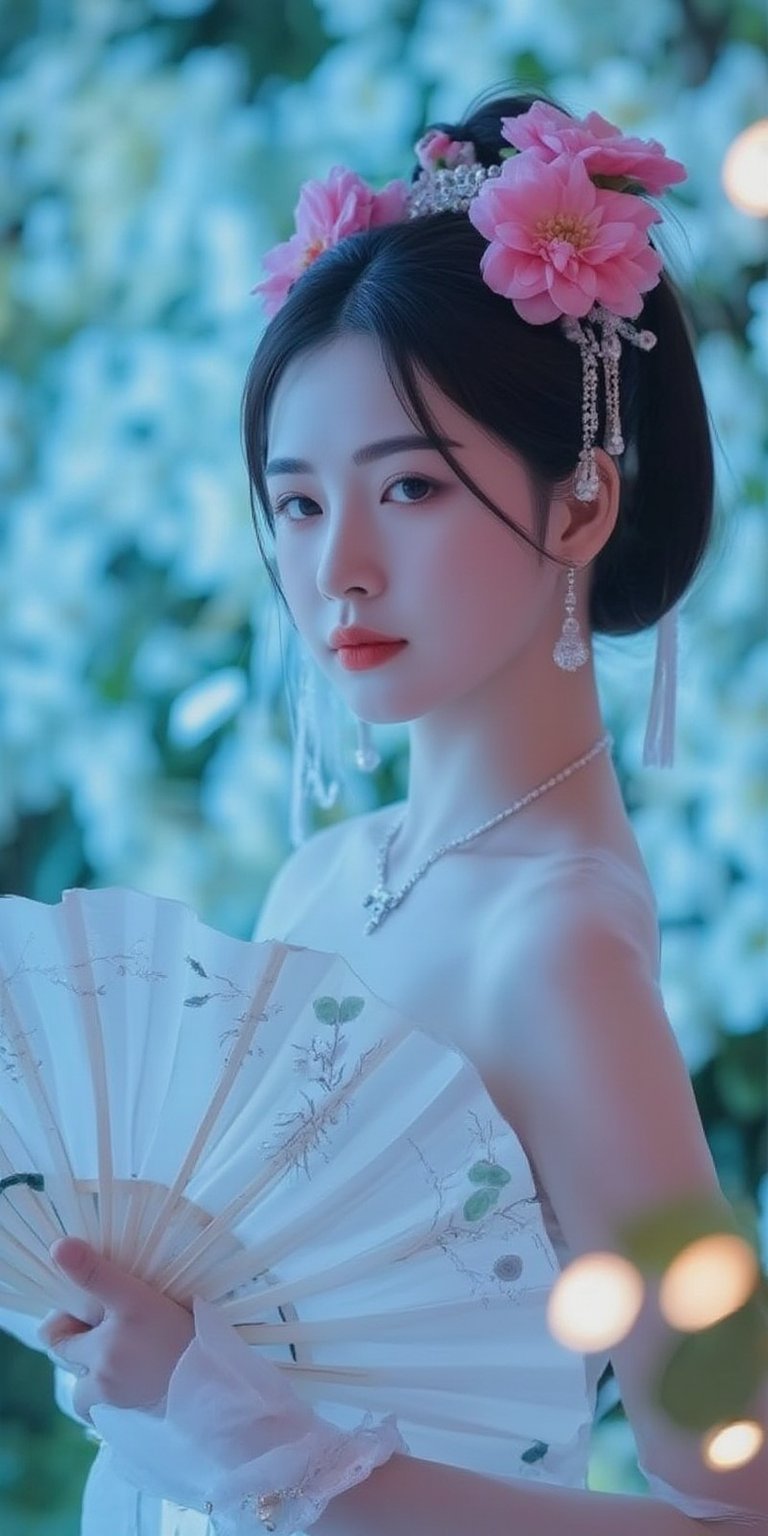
(389, 538)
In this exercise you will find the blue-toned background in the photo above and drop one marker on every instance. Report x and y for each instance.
(150, 150)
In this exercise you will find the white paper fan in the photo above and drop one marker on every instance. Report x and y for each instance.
(250, 1124)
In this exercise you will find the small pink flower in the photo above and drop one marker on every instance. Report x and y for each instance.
(559, 244)
(327, 210)
(436, 149)
(605, 150)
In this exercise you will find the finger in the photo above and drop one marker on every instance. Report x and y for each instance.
(60, 1325)
(94, 1272)
(58, 1353)
(82, 1402)
(69, 1353)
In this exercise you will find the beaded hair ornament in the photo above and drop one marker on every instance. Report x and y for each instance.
(567, 231)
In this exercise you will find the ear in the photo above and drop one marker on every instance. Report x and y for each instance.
(579, 529)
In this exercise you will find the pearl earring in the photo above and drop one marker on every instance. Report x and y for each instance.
(367, 758)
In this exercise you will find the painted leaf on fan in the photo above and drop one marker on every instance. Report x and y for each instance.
(535, 1452)
(33, 1180)
(197, 1002)
(479, 1204)
(489, 1173)
(197, 967)
(326, 1010)
(350, 1008)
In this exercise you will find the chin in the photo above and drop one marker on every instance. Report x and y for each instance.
(401, 710)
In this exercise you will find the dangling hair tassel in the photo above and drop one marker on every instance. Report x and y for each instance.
(307, 771)
(659, 744)
(298, 805)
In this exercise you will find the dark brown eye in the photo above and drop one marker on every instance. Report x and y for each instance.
(422, 487)
(284, 502)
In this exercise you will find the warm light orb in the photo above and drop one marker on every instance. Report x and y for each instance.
(745, 170)
(708, 1280)
(732, 1445)
(594, 1302)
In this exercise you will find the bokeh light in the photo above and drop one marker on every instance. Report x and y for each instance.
(733, 1445)
(708, 1280)
(745, 170)
(595, 1301)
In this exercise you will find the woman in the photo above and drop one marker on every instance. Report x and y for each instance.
(423, 421)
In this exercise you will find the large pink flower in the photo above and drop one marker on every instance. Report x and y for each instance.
(327, 210)
(605, 150)
(559, 244)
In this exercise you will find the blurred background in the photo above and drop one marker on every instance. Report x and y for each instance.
(150, 151)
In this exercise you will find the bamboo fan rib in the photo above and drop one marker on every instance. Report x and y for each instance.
(249, 1125)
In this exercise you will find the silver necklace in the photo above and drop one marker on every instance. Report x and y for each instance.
(383, 901)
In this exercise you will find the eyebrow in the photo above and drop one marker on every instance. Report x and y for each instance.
(367, 454)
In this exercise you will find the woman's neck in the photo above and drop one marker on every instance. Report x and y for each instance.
(476, 756)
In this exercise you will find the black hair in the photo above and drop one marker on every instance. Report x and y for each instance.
(416, 288)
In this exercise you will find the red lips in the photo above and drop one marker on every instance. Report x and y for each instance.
(356, 635)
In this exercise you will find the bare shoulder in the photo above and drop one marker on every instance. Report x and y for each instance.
(571, 924)
(546, 914)
(292, 877)
(303, 868)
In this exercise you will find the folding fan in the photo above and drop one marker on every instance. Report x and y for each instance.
(250, 1124)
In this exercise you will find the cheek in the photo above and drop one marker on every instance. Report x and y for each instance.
(487, 584)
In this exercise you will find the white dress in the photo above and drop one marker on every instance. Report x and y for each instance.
(547, 1428)
(544, 1436)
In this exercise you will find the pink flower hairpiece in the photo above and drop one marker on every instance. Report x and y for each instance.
(565, 226)
(604, 149)
(326, 212)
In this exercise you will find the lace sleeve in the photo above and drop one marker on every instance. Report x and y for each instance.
(233, 1440)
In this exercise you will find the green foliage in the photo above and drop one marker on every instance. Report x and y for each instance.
(44, 1455)
(712, 1375)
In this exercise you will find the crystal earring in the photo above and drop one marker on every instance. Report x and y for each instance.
(367, 758)
(570, 651)
(307, 779)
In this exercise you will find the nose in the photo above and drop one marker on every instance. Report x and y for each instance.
(349, 559)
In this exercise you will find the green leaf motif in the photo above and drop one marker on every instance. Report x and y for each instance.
(479, 1204)
(197, 1002)
(33, 1180)
(326, 1010)
(350, 1008)
(535, 1452)
(489, 1173)
(197, 967)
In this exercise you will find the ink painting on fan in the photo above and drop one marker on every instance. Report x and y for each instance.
(248, 1123)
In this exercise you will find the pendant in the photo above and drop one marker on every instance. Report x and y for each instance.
(382, 901)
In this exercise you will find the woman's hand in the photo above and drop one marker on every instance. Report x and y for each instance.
(130, 1355)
